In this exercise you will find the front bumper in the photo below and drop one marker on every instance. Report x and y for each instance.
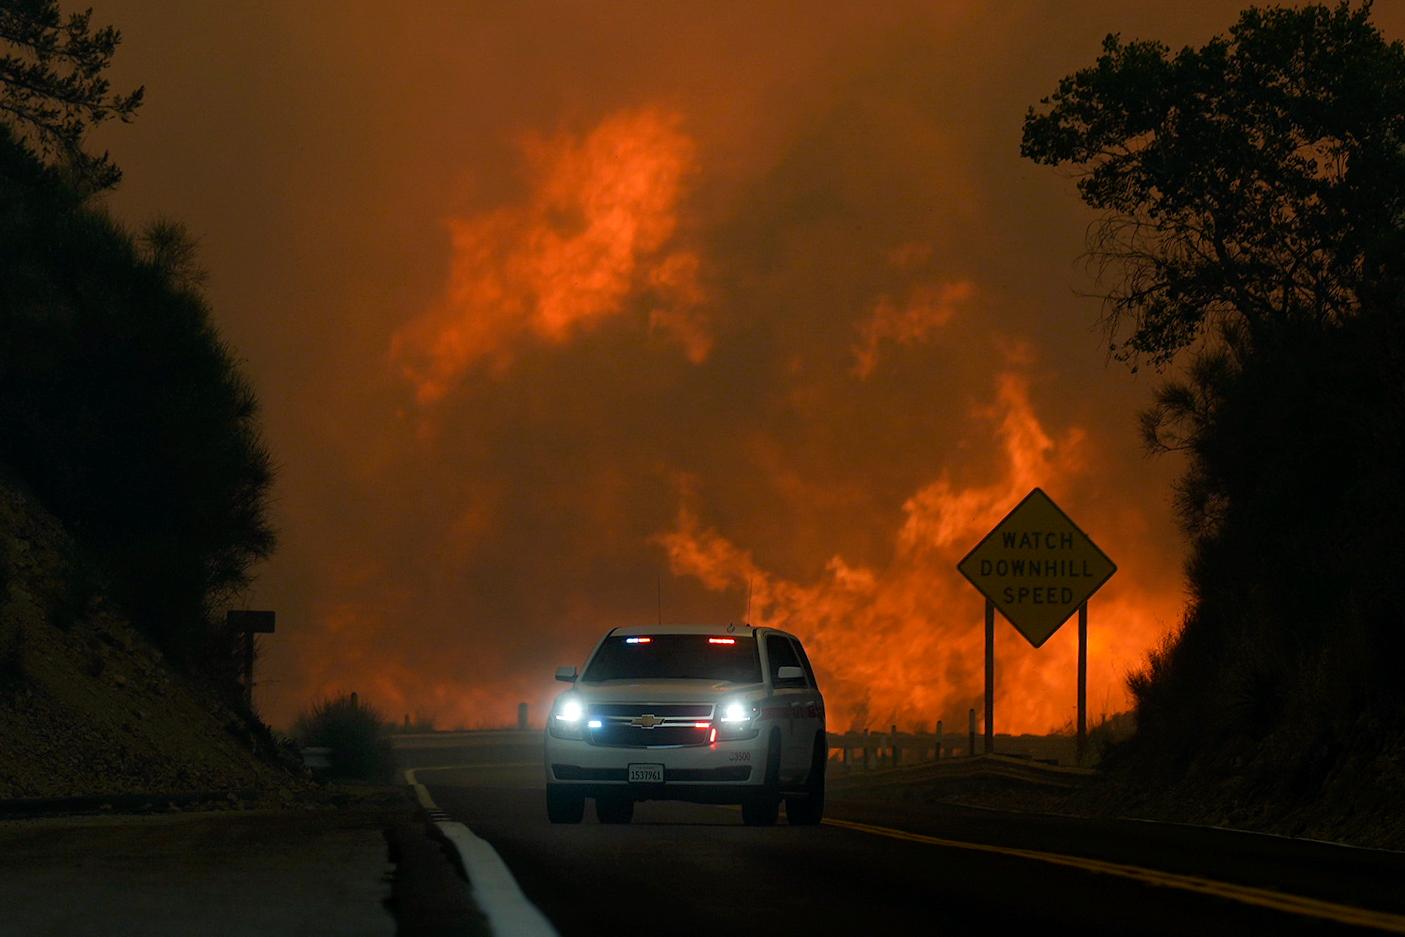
(722, 772)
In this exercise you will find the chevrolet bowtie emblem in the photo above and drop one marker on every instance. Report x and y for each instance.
(646, 721)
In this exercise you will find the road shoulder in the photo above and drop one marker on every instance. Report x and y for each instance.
(347, 871)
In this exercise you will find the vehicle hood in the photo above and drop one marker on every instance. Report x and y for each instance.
(661, 691)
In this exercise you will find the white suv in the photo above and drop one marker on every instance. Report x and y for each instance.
(721, 715)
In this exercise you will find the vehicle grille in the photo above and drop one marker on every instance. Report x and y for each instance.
(665, 724)
(627, 736)
(663, 710)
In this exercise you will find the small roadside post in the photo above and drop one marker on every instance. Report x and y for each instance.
(1037, 567)
(989, 678)
(937, 751)
(249, 623)
(522, 717)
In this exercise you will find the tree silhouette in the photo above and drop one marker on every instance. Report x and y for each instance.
(123, 410)
(1259, 179)
(52, 84)
(1252, 199)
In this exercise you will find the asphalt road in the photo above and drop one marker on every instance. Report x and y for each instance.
(692, 869)
(216, 874)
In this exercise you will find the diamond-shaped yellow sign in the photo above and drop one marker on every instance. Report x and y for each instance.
(1037, 567)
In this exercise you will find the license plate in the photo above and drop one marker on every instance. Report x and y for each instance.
(646, 774)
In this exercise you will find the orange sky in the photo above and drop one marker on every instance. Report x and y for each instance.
(547, 301)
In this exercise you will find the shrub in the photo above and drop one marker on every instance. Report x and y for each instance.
(356, 734)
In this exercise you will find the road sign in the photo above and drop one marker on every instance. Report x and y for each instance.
(1037, 567)
(249, 623)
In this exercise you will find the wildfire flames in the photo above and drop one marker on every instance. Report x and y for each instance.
(596, 232)
(623, 300)
(928, 308)
(905, 643)
(597, 236)
(541, 493)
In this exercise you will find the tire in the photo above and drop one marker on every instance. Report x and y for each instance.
(808, 809)
(614, 809)
(762, 808)
(563, 806)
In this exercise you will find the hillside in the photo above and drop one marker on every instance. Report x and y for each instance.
(89, 706)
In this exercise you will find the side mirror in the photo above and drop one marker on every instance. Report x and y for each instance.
(568, 674)
(786, 674)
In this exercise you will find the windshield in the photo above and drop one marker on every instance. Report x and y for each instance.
(720, 658)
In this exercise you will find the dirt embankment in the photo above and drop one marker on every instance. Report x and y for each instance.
(87, 705)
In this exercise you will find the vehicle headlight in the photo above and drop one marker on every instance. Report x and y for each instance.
(570, 710)
(737, 720)
(568, 721)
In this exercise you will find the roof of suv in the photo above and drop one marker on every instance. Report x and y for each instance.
(730, 628)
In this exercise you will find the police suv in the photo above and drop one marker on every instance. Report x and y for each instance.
(709, 714)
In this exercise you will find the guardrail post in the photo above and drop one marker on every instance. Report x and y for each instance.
(865, 749)
(972, 749)
(522, 717)
(938, 752)
(893, 735)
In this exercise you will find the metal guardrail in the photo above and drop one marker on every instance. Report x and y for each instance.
(872, 750)
(875, 751)
(401, 741)
(425, 749)
(316, 758)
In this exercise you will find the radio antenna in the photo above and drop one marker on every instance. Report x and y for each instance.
(747, 620)
(660, 582)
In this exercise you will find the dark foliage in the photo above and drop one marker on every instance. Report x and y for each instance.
(356, 734)
(1257, 180)
(1294, 505)
(122, 409)
(52, 85)
(1253, 198)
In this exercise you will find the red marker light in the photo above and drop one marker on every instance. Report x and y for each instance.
(702, 725)
(712, 737)
(721, 640)
(637, 640)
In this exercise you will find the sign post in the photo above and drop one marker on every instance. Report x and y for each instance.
(249, 623)
(989, 677)
(1037, 567)
(1082, 680)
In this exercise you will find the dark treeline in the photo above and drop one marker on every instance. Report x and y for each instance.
(121, 408)
(1252, 196)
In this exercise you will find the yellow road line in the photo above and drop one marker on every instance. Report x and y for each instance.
(1244, 894)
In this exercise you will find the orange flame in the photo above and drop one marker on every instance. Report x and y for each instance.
(928, 308)
(595, 232)
(905, 644)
